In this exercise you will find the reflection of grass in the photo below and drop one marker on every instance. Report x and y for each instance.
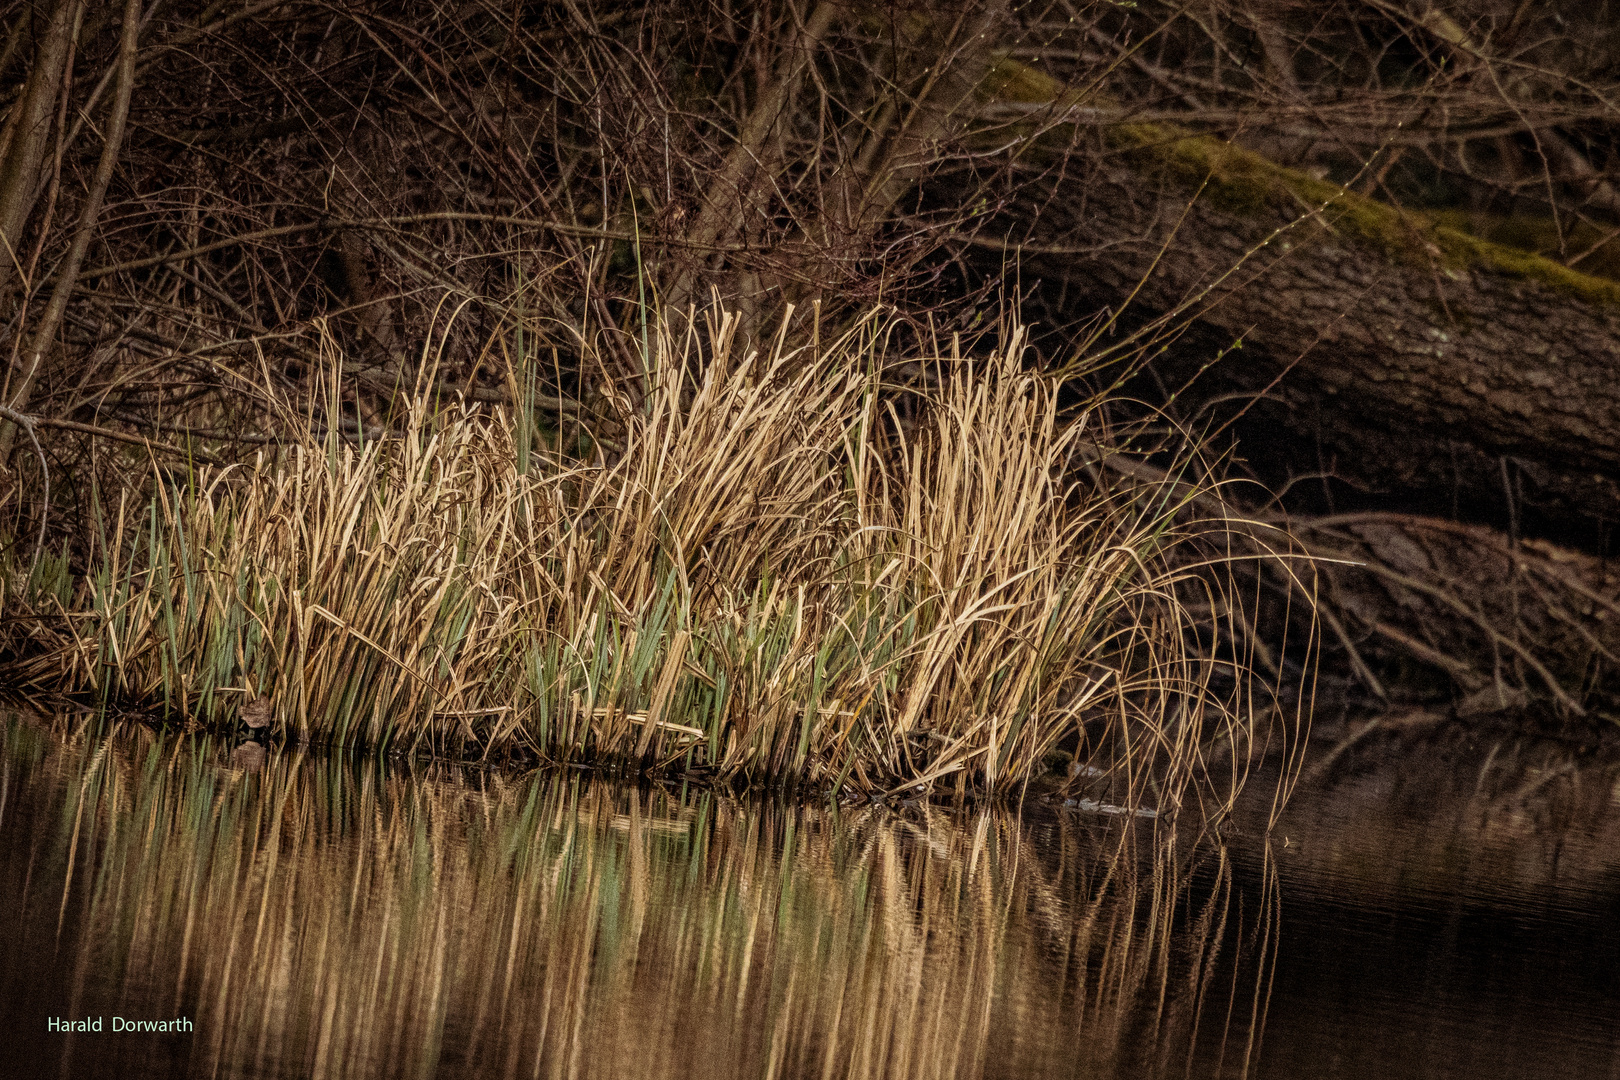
(333, 919)
(765, 571)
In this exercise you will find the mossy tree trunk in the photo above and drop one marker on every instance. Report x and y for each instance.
(1415, 368)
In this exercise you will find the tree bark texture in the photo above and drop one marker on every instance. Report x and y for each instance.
(1424, 370)
(28, 132)
(1506, 623)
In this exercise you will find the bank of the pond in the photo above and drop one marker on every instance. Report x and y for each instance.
(766, 575)
(1064, 782)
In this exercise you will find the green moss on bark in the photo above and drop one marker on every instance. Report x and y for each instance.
(1242, 183)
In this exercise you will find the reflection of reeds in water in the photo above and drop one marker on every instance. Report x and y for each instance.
(330, 919)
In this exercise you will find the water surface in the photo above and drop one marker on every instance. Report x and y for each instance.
(312, 915)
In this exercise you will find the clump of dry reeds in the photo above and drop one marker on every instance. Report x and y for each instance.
(766, 571)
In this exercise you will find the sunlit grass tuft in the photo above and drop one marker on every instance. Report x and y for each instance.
(767, 571)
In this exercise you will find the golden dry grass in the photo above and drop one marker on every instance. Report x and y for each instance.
(768, 573)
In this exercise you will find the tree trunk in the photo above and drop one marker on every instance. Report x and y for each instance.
(1422, 369)
(27, 138)
(44, 337)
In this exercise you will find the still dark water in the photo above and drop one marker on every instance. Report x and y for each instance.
(315, 916)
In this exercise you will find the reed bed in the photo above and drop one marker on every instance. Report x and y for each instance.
(762, 570)
(321, 916)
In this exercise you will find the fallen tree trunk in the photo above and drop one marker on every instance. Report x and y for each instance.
(1418, 368)
(1418, 609)
(1439, 413)
(1507, 624)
